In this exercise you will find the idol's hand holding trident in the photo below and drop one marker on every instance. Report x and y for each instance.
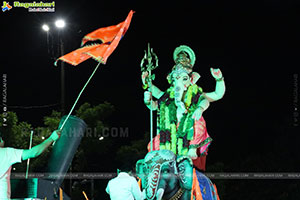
(147, 78)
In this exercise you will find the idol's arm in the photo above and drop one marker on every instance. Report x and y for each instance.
(156, 92)
(220, 86)
(152, 105)
(203, 105)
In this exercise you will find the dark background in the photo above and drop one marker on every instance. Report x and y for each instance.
(254, 43)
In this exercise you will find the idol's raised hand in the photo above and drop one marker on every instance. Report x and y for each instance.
(216, 73)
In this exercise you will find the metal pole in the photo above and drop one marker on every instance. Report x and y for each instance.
(70, 185)
(28, 161)
(151, 113)
(62, 95)
(62, 80)
(92, 189)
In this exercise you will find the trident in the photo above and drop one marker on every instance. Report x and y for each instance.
(149, 67)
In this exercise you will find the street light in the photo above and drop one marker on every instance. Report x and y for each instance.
(45, 27)
(60, 23)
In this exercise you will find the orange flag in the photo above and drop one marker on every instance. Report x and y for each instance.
(105, 34)
(104, 50)
(110, 36)
(77, 56)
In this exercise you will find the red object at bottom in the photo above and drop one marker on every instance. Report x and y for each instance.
(200, 162)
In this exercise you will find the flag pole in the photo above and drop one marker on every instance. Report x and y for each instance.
(62, 126)
(28, 161)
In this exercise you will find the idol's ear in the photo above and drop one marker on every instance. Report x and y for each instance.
(195, 77)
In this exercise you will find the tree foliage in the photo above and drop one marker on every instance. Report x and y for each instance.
(130, 154)
(17, 134)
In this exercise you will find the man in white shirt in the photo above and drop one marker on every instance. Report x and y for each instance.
(10, 156)
(124, 187)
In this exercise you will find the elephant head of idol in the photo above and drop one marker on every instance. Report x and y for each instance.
(182, 75)
(153, 165)
(163, 174)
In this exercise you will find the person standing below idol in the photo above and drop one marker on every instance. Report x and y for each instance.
(124, 186)
(10, 156)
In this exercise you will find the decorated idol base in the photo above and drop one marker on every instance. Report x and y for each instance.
(167, 176)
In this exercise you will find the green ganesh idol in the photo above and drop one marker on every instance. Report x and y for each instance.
(181, 126)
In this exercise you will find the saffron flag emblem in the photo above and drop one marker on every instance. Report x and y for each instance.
(110, 37)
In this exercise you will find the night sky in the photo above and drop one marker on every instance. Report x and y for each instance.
(254, 43)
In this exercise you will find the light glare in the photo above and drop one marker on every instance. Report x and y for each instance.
(60, 23)
(45, 27)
